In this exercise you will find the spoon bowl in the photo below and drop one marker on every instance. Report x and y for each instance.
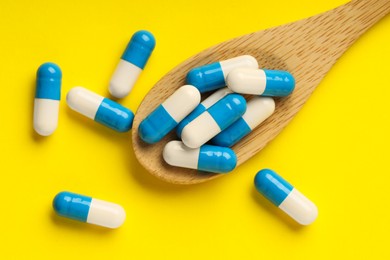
(307, 49)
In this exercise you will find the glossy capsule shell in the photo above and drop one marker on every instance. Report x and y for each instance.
(100, 109)
(207, 158)
(283, 195)
(47, 98)
(271, 83)
(258, 109)
(168, 114)
(132, 63)
(89, 210)
(213, 76)
(214, 120)
(208, 102)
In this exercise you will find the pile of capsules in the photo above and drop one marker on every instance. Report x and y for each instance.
(221, 120)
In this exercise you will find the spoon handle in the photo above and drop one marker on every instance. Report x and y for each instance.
(309, 49)
(357, 16)
(372, 10)
(336, 29)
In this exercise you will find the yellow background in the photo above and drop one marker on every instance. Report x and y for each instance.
(336, 150)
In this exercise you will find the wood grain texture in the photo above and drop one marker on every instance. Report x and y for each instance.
(307, 48)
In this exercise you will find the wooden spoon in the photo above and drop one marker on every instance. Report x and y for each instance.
(307, 48)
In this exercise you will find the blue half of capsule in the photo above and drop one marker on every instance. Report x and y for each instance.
(48, 84)
(207, 77)
(216, 159)
(272, 186)
(156, 125)
(114, 115)
(228, 110)
(279, 83)
(231, 135)
(139, 48)
(71, 205)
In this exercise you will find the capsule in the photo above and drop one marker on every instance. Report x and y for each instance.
(283, 195)
(100, 109)
(132, 63)
(207, 158)
(270, 83)
(89, 210)
(167, 115)
(214, 120)
(47, 98)
(208, 102)
(258, 109)
(213, 76)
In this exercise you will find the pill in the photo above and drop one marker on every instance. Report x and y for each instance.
(271, 83)
(100, 109)
(47, 98)
(132, 63)
(258, 109)
(212, 76)
(207, 158)
(89, 210)
(208, 102)
(214, 120)
(168, 114)
(283, 195)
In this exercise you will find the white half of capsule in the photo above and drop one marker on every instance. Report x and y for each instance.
(182, 102)
(300, 208)
(203, 128)
(177, 154)
(244, 61)
(84, 101)
(247, 81)
(106, 214)
(258, 109)
(215, 97)
(45, 115)
(124, 78)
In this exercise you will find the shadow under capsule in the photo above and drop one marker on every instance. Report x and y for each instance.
(74, 225)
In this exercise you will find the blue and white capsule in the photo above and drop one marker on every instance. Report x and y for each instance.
(132, 63)
(213, 76)
(100, 109)
(89, 210)
(270, 83)
(283, 195)
(47, 98)
(207, 158)
(206, 104)
(258, 109)
(214, 120)
(168, 114)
